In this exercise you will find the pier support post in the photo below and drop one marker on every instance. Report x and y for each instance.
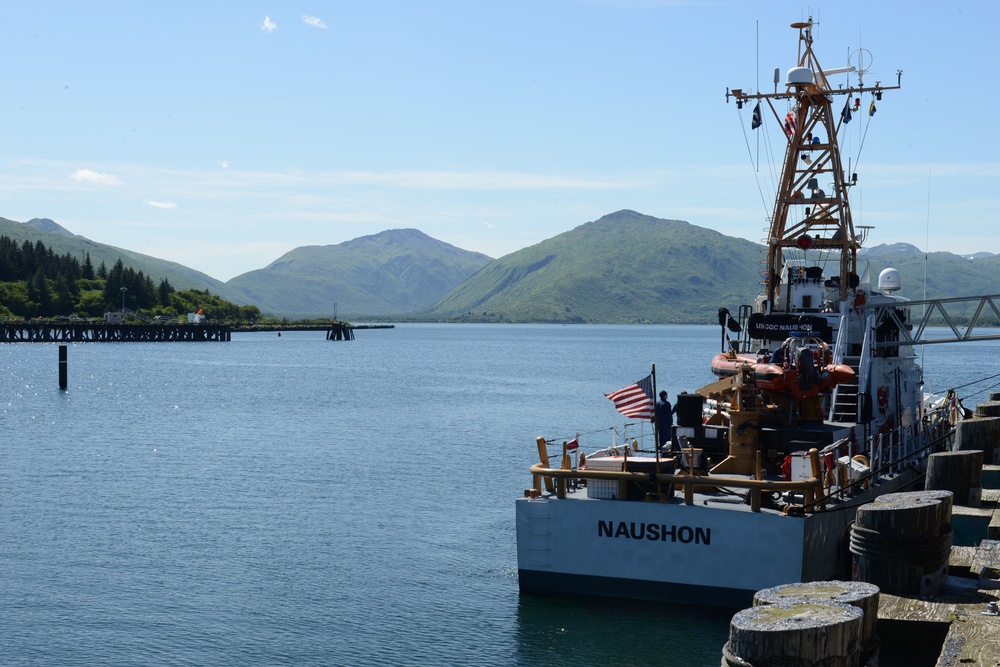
(858, 594)
(795, 633)
(63, 363)
(901, 543)
(979, 433)
(958, 472)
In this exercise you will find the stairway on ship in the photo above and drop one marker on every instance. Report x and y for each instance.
(845, 395)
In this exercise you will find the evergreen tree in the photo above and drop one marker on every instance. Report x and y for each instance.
(164, 291)
(87, 272)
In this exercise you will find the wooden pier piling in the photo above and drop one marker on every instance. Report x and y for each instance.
(63, 363)
(340, 331)
(959, 472)
(858, 594)
(795, 633)
(981, 433)
(901, 543)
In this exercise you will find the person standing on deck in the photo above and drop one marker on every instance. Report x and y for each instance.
(664, 420)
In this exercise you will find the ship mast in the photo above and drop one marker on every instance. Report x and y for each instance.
(811, 209)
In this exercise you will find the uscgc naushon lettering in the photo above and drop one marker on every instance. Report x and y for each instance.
(654, 532)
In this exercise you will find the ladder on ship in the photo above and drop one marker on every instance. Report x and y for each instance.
(846, 398)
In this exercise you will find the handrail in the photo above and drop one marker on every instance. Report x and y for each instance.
(983, 306)
(864, 363)
(809, 487)
(838, 358)
(842, 335)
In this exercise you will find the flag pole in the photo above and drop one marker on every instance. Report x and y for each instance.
(656, 429)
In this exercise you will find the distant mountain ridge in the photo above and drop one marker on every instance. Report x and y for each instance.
(393, 272)
(622, 267)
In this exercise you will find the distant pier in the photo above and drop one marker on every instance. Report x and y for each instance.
(340, 331)
(337, 330)
(99, 332)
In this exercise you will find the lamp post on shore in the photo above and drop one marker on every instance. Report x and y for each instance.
(124, 289)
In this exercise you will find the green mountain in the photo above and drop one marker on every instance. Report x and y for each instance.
(947, 274)
(393, 272)
(625, 267)
(62, 241)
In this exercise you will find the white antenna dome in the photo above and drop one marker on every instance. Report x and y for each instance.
(799, 76)
(889, 280)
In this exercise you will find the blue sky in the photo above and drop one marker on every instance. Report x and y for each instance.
(222, 134)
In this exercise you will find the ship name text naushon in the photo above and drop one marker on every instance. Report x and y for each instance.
(654, 532)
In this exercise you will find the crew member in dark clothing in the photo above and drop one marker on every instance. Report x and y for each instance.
(664, 420)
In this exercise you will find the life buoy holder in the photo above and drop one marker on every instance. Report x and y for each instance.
(883, 399)
(860, 298)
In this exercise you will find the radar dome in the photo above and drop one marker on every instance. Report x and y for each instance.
(889, 280)
(799, 76)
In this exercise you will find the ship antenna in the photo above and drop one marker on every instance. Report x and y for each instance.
(927, 245)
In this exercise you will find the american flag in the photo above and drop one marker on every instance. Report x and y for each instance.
(635, 400)
(791, 124)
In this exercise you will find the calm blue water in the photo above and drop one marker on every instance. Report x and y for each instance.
(295, 501)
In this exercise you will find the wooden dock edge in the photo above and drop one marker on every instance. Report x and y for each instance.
(961, 620)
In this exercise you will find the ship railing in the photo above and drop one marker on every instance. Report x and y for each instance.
(891, 454)
(892, 450)
(867, 348)
(810, 488)
(838, 358)
(841, 345)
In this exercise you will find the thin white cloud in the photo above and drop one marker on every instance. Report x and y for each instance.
(161, 204)
(489, 225)
(268, 25)
(313, 21)
(445, 180)
(91, 176)
(224, 164)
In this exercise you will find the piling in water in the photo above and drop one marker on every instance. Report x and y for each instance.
(63, 363)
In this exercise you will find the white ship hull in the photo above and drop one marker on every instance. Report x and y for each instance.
(712, 553)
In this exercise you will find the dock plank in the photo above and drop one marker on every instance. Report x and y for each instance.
(972, 641)
(896, 608)
(961, 557)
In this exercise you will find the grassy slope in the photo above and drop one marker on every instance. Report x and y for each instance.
(624, 267)
(395, 271)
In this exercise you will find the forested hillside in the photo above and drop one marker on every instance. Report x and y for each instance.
(35, 281)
